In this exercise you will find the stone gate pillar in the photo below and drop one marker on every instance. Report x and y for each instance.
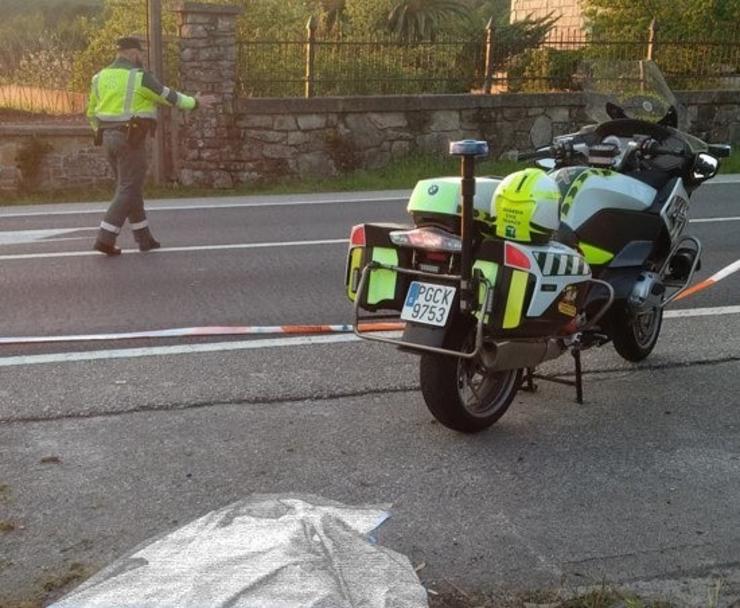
(208, 64)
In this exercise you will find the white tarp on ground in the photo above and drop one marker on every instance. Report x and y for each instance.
(265, 551)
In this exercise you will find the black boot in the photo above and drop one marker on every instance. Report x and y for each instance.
(145, 240)
(106, 248)
(149, 244)
(106, 241)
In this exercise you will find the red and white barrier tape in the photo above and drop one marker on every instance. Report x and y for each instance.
(254, 330)
(193, 332)
(715, 278)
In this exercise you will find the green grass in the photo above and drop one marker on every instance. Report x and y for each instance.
(732, 164)
(401, 174)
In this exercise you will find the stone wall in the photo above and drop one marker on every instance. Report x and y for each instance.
(274, 138)
(72, 161)
(264, 140)
(207, 35)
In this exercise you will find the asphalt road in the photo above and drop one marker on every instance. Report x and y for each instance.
(640, 484)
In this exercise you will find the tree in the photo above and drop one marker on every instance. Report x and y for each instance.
(683, 25)
(413, 20)
(677, 20)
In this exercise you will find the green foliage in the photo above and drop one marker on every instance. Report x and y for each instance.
(677, 20)
(424, 19)
(698, 41)
(379, 46)
(123, 18)
(30, 27)
(368, 17)
(543, 69)
(270, 19)
(29, 159)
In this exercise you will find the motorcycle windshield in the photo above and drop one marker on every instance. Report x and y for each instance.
(637, 88)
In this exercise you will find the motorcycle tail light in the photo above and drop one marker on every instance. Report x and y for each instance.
(427, 238)
(357, 236)
(437, 256)
(516, 258)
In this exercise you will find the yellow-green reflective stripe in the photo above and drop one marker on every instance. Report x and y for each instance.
(490, 272)
(130, 88)
(515, 301)
(355, 259)
(382, 282)
(594, 255)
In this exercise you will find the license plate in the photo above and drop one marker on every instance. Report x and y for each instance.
(428, 304)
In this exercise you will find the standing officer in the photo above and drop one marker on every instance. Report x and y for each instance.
(123, 110)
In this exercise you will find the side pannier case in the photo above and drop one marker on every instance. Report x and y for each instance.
(385, 289)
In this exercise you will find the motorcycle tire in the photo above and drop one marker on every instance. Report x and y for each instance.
(635, 337)
(451, 393)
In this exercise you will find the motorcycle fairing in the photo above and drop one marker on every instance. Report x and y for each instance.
(589, 191)
(675, 210)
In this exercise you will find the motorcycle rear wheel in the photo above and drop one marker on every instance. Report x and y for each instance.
(460, 393)
(635, 336)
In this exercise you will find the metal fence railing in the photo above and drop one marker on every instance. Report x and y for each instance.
(381, 65)
(357, 67)
(322, 66)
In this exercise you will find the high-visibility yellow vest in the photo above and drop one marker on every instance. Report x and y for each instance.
(122, 91)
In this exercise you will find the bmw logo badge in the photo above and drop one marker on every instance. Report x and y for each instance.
(433, 190)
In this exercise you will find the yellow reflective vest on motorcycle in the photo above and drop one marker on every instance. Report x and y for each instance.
(123, 91)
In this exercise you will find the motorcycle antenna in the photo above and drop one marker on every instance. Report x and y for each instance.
(468, 150)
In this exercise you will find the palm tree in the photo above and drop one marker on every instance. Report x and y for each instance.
(334, 14)
(422, 19)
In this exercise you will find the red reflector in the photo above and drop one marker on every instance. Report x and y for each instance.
(436, 256)
(357, 238)
(516, 258)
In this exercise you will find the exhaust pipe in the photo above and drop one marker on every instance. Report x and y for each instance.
(521, 355)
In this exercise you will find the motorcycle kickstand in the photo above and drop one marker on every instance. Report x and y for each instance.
(528, 380)
(576, 352)
(531, 375)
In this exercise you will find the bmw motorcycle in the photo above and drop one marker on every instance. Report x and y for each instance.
(498, 275)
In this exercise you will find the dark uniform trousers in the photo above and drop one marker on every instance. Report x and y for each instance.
(129, 163)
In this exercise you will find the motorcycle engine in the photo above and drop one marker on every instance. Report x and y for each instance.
(648, 291)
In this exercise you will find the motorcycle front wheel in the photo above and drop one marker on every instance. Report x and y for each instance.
(635, 335)
(460, 393)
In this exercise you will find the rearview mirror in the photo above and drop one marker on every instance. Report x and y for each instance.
(705, 167)
(720, 150)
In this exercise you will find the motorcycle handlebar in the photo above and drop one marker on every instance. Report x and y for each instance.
(652, 147)
(548, 152)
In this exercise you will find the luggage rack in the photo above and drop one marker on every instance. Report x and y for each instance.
(530, 376)
(485, 310)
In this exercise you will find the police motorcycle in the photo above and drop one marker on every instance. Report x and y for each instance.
(497, 276)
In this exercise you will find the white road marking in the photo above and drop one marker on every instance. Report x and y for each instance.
(64, 239)
(213, 347)
(701, 312)
(20, 237)
(195, 207)
(78, 254)
(726, 271)
(181, 349)
(709, 220)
